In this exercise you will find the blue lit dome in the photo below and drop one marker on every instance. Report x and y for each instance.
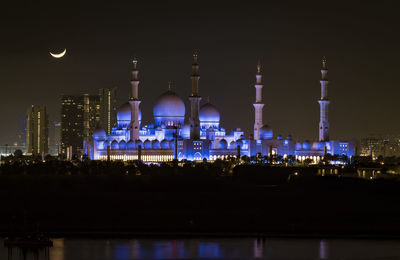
(99, 134)
(124, 115)
(307, 145)
(209, 116)
(266, 133)
(318, 145)
(169, 109)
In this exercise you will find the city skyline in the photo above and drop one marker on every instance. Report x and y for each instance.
(290, 52)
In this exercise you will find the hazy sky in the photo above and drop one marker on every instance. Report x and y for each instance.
(361, 42)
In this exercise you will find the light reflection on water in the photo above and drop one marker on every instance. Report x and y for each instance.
(218, 248)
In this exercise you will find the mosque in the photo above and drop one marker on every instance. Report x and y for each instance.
(198, 134)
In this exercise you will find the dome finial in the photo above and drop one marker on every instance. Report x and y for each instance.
(169, 85)
(195, 56)
(134, 61)
(324, 66)
(259, 66)
(208, 99)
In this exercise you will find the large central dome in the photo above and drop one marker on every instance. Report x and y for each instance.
(169, 109)
(124, 115)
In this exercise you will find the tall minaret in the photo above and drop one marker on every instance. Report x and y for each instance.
(195, 101)
(323, 104)
(258, 105)
(134, 102)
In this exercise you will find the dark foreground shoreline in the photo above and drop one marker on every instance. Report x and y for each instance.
(173, 205)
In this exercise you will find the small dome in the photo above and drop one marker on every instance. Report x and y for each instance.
(279, 137)
(209, 114)
(307, 145)
(266, 133)
(99, 134)
(124, 115)
(169, 107)
(318, 145)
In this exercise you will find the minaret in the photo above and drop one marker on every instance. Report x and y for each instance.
(195, 101)
(134, 102)
(258, 105)
(323, 104)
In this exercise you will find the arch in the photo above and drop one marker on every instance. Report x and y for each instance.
(155, 144)
(137, 143)
(232, 145)
(106, 144)
(239, 143)
(147, 144)
(197, 156)
(114, 145)
(164, 144)
(223, 144)
(122, 145)
(130, 145)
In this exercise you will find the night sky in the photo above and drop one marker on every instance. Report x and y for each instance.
(360, 40)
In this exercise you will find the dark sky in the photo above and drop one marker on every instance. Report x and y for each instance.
(361, 42)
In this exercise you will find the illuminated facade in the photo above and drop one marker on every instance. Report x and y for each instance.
(80, 115)
(108, 108)
(199, 134)
(37, 130)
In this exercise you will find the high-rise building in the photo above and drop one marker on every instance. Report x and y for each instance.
(21, 134)
(36, 130)
(80, 115)
(380, 145)
(108, 109)
(55, 138)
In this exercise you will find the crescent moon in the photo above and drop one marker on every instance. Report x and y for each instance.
(58, 55)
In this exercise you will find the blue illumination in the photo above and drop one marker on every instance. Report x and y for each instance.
(122, 252)
(209, 250)
(266, 133)
(169, 110)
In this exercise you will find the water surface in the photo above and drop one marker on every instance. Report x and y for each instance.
(212, 248)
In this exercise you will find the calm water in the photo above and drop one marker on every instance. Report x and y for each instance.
(240, 248)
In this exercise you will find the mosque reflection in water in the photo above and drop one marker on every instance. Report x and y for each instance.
(66, 249)
(211, 248)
